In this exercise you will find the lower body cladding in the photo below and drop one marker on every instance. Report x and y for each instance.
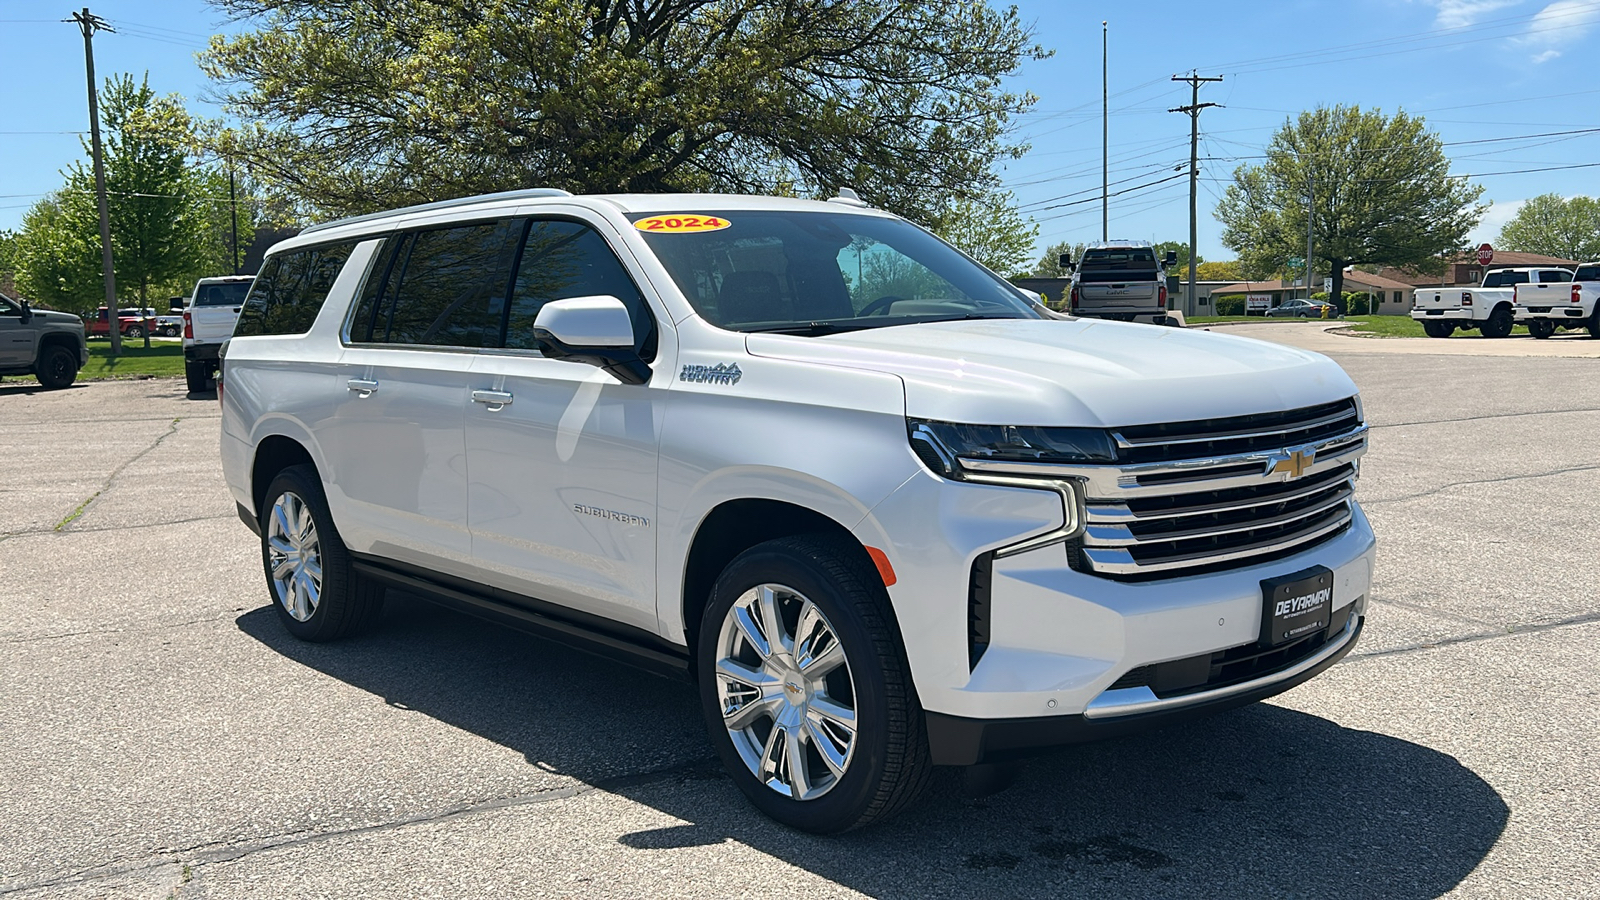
(1453, 313)
(1050, 655)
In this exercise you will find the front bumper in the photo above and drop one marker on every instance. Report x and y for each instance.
(961, 741)
(1452, 313)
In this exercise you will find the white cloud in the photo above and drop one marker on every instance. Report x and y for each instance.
(1558, 25)
(1495, 219)
(1461, 13)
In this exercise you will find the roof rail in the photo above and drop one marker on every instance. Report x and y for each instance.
(523, 194)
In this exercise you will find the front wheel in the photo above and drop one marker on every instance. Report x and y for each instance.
(1437, 329)
(1541, 328)
(805, 688)
(317, 592)
(134, 331)
(1499, 323)
(58, 368)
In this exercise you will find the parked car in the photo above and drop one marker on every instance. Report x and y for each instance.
(1490, 307)
(46, 344)
(1545, 306)
(132, 322)
(1303, 309)
(208, 322)
(1119, 280)
(883, 524)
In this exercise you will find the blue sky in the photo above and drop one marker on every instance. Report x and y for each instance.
(1494, 78)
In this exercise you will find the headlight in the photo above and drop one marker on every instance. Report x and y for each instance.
(939, 443)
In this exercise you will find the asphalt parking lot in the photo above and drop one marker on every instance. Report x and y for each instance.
(161, 735)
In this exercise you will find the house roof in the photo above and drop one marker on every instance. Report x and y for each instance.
(1502, 258)
(1253, 287)
(1351, 276)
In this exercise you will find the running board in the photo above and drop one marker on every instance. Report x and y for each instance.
(656, 661)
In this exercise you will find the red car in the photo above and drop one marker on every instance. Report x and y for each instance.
(133, 323)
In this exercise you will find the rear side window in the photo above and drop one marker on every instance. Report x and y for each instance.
(447, 287)
(561, 260)
(289, 290)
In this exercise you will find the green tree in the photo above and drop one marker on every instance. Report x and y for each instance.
(1552, 226)
(1181, 248)
(1222, 270)
(990, 230)
(1049, 264)
(1380, 188)
(369, 104)
(58, 250)
(8, 259)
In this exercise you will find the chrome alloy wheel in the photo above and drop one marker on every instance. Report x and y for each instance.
(787, 697)
(295, 556)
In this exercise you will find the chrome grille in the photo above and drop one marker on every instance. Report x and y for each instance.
(1192, 497)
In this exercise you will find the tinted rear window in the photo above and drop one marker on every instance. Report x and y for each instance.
(1129, 258)
(1504, 278)
(289, 290)
(1587, 273)
(229, 293)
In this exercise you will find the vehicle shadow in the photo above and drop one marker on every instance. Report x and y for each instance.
(1264, 800)
(29, 386)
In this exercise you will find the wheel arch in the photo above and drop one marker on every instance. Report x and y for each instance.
(274, 453)
(58, 339)
(731, 528)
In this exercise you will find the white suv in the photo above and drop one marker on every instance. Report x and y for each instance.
(883, 508)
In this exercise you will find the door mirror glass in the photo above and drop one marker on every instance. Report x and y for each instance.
(1172, 258)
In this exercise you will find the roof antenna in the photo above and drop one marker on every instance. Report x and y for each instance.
(849, 197)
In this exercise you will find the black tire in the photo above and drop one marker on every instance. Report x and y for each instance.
(197, 374)
(1499, 323)
(1437, 329)
(1593, 322)
(57, 367)
(134, 331)
(347, 602)
(889, 764)
(1541, 328)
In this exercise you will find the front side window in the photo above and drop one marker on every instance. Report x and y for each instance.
(561, 260)
(289, 290)
(822, 272)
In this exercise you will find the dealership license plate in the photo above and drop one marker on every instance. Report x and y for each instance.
(1435, 312)
(1294, 606)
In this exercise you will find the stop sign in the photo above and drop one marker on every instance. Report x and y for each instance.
(1485, 255)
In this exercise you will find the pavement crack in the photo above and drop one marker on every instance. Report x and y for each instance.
(1515, 415)
(213, 852)
(160, 626)
(83, 507)
(1455, 484)
(1507, 631)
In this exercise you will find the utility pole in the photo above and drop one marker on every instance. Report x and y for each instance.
(1105, 139)
(89, 23)
(1193, 109)
(233, 207)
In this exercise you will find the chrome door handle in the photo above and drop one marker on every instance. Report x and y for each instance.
(362, 386)
(495, 400)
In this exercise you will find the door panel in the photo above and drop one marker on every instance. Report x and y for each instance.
(16, 341)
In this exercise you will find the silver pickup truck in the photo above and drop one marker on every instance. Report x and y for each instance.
(1119, 280)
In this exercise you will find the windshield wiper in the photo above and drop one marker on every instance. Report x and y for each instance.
(809, 329)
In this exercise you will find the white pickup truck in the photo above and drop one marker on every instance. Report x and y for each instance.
(1545, 306)
(1490, 307)
(208, 321)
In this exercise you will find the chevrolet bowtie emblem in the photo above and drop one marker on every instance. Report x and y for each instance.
(1294, 464)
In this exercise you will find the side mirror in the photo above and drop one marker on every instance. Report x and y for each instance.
(593, 330)
(27, 312)
(1066, 261)
(1172, 258)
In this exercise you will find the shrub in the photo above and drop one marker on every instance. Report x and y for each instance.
(1229, 305)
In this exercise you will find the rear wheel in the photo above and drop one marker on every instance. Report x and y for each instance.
(315, 589)
(1541, 328)
(134, 331)
(197, 374)
(1593, 322)
(805, 688)
(1437, 329)
(57, 368)
(1499, 323)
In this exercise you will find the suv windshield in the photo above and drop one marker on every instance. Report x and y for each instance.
(225, 293)
(822, 272)
(1504, 278)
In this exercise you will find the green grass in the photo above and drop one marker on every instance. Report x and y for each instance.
(1405, 326)
(164, 359)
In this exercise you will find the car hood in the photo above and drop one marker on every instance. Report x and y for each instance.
(55, 318)
(1084, 372)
